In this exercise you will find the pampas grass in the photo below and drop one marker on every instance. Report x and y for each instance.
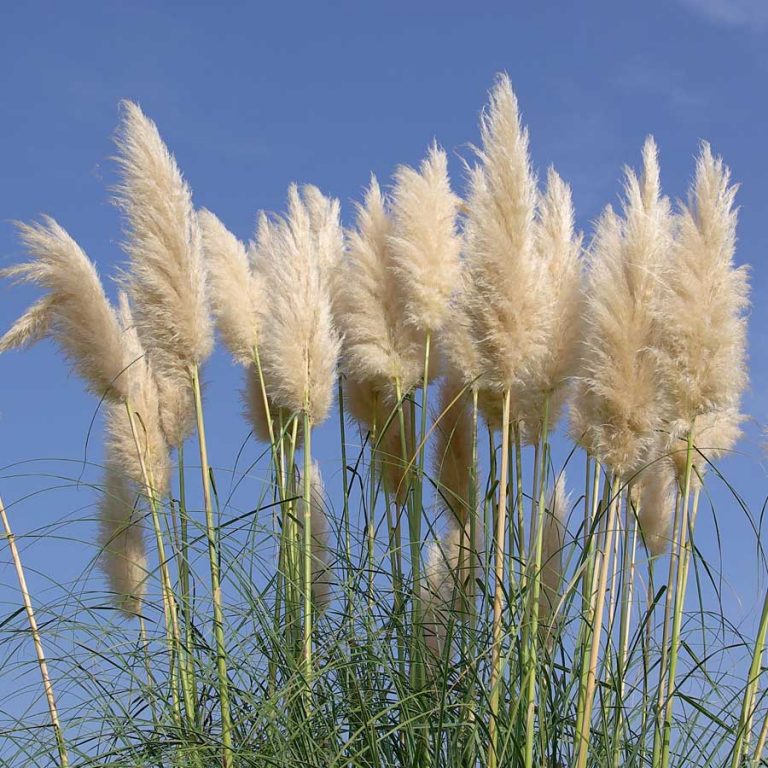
(321, 551)
(359, 652)
(166, 282)
(236, 291)
(300, 345)
(75, 312)
(620, 404)
(507, 316)
(703, 300)
(33, 326)
(553, 541)
(378, 345)
(560, 295)
(424, 243)
(121, 538)
(656, 507)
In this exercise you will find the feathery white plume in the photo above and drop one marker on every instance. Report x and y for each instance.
(656, 500)
(553, 538)
(144, 401)
(237, 294)
(453, 448)
(446, 571)
(560, 294)
(379, 347)
(503, 270)
(75, 311)
(167, 282)
(33, 326)
(321, 551)
(300, 345)
(620, 402)
(703, 300)
(121, 537)
(715, 434)
(425, 245)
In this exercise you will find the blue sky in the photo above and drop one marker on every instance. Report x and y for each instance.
(252, 96)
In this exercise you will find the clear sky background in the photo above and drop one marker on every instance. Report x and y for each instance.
(253, 96)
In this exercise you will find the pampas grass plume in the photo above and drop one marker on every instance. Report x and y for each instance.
(300, 344)
(236, 292)
(560, 292)
(656, 500)
(321, 552)
(702, 307)
(378, 345)
(424, 242)
(167, 281)
(553, 538)
(620, 403)
(75, 311)
(121, 537)
(502, 269)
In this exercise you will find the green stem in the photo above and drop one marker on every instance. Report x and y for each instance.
(682, 575)
(498, 593)
(747, 713)
(591, 682)
(213, 557)
(532, 655)
(307, 580)
(166, 590)
(35, 632)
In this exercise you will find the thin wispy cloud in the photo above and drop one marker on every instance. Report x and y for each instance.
(733, 13)
(668, 84)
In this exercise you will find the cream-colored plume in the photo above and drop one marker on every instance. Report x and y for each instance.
(75, 311)
(300, 345)
(144, 401)
(446, 583)
(553, 539)
(167, 281)
(560, 294)
(702, 305)
(506, 315)
(321, 552)
(379, 347)
(714, 434)
(656, 506)
(453, 448)
(620, 403)
(33, 326)
(425, 245)
(237, 294)
(121, 538)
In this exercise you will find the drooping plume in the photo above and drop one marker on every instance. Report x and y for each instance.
(144, 401)
(321, 548)
(453, 449)
(654, 498)
(553, 539)
(503, 271)
(425, 245)
(33, 326)
(446, 584)
(75, 311)
(560, 296)
(237, 294)
(166, 282)
(379, 347)
(121, 538)
(300, 344)
(620, 403)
